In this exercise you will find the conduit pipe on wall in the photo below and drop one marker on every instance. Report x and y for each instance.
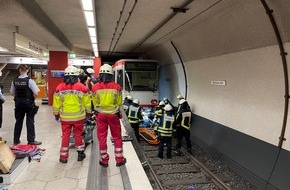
(286, 81)
(185, 78)
(284, 62)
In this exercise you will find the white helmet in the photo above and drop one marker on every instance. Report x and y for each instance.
(181, 101)
(90, 70)
(129, 97)
(106, 69)
(161, 103)
(71, 71)
(136, 101)
(168, 107)
(180, 97)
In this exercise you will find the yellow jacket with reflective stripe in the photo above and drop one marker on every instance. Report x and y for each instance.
(107, 97)
(167, 124)
(71, 101)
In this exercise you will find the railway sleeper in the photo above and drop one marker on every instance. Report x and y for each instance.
(169, 161)
(178, 170)
(186, 182)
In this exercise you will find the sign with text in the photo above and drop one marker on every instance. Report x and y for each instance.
(218, 82)
(28, 47)
(57, 73)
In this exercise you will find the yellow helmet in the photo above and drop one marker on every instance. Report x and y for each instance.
(168, 108)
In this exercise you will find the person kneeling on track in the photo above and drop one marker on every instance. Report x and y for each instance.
(165, 131)
(71, 104)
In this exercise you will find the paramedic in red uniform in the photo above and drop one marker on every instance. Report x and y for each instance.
(107, 99)
(71, 104)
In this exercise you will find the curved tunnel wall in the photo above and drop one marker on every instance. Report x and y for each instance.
(242, 120)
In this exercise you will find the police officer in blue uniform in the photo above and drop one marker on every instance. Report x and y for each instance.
(24, 91)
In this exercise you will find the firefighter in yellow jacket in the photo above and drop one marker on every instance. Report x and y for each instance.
(107, 99)
(71, 104)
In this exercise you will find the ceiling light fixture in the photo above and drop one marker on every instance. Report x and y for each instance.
(89, 15)
(2, 49)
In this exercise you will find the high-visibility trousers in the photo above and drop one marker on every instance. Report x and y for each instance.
(67, 127)
(104, 121)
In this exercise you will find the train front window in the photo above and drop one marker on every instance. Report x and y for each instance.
(141, 80)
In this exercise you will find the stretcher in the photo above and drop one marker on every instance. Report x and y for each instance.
(149, 136)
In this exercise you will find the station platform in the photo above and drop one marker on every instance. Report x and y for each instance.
(50, 174)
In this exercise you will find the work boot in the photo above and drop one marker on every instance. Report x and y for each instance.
(121, 163)
(63, 161)
(81, 155)
(189, 150)
(177, 152)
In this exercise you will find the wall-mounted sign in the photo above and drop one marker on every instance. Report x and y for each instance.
(28, 47)
(22, 60)
(218, 82)
(81, 62)
(57, 73)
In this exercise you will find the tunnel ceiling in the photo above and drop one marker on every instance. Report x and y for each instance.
(129, 28)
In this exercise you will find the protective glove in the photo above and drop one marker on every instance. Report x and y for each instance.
(57, 118)
(88, 116)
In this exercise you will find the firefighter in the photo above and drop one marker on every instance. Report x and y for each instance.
(107, 99)
(157, 114)
(127, 102)
(165, 131)
(183, 122)
(180, 97)
(134, 116)
(91, 78)
(71, 104)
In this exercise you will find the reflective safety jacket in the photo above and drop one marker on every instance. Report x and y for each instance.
(107, 97)
(134, 113)
(167, 124)
(71, 101)
(183, 119)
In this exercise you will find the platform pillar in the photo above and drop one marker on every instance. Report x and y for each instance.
(58, 60)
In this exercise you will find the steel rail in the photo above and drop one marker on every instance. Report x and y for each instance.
(206, 171)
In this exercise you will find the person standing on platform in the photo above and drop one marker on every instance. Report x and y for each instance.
(24, 91)
(2, 100)
(134, 116)
(71, 104)
(107, 99)
(165, 131)
(183, 123)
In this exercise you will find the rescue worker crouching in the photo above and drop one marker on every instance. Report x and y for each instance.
(71, 104)
(134, 116)
(127, 102)
(183, 123)
(165, 131)
(107, 99)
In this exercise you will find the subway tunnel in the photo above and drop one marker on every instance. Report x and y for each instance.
(228, 58)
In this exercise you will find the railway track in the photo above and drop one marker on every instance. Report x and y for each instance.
(181, 172)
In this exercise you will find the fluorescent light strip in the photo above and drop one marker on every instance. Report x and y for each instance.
(93, 39)
(92, 32)
(87, 5)
(90, 18)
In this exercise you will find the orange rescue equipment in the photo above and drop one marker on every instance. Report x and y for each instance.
(148, 136)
